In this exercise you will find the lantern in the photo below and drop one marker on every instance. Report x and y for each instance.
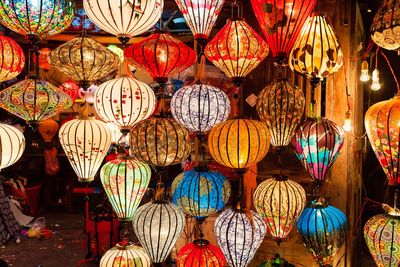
(237, 49)
(386, 25)
(70, 88)
(281, 22)
(34, 100)
(322, 230)
(125, 181)
(12, 59)
(85, 142)
(160, 142)
(200, 253)
(200, 16)
(48, 129)
(200, 107)
(125, 254)
(317, 52)
(200, 193)
(158, 225)
(118, 51)
(281, 105)
(238, 236)
(124, 19)
(317, 144)
(12, 145)
(238, 143)
(161, 55)
(43, 62)
(280, 202)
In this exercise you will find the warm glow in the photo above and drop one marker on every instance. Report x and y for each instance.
(385, 26)
(12, 59)
(12, 145)
(347, 125)
(200, 253)
(375, 86)
(125, 255)
(364, 72)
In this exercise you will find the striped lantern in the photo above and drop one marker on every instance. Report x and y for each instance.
(200, 253)
(125, 254)
(12, 145)
(12, 59)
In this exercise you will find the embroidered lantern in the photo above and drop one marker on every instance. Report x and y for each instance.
(386, 25)
(12, 145)
(200, 253)
(125, 254)
(70, 88)
(12, 59)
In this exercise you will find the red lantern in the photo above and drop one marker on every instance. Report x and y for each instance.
(12, 59)
(200, 253)
(43, 62)
(70, 88)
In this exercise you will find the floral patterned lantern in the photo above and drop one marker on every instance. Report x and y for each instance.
(12, 145)
(70, 88)
(386, 25)
(125, 254)
(200, 253)
(12, 59)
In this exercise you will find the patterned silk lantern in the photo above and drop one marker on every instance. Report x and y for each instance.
(12, 59)
(125, 181)
(317, 144)
(322, 229)
(12, 145)
(85, 142)
(200, 107)
(385, 26)
(280, 202)
(70, 88)
(48, 129)
(237, 49)
(281, 105)
(200, 253)
(34, 100)
(281, 22)
(125, 254)
(200, 15)
(238, 236)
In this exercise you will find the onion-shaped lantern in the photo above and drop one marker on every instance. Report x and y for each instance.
(70, 88)
(200, 16)
(34, 100)
(160, 142)
(200, 107)
(125, 181)
(12, 59)
(200, 253)
(48, 129)
(322, 230)
(85, 142)
(125, 254)
(281, 105)
(317, 52)
(385, 26)
(280, 202)
(12, 145)
(200, 193)
(161, 55)
(239, 143)
(317, 144)
(158, 225)
(281, 23)
(238, 236)
(237, 49)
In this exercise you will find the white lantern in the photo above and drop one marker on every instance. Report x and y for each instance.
(85, 142)
(12, 145)
(125, 254)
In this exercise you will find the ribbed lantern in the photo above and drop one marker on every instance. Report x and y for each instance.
(125, 254)
(200, 253)
(280, 202)
(239, 143)
(322, 230)
(158, 225)
(237, 49)
(281, 105)
(200, 107)
(386, 25)
(160, 142)
(125, 181)
(85, 142)
(317, 144)
(12, 59)
(70, 88)
(34, 100)
(238, 236)
(12, 145)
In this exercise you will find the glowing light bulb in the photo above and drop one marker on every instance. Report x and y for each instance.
(162, 55)
(347, 122)
(375, 86)
(364, 72)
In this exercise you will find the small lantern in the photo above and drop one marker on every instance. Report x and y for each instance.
(200, 253)
(12, 145)
(48, 129)
(12, 59)
(125, 254)
(70, 88)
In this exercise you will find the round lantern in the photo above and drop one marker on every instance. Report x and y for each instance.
(385, 26)
(43, 61)
(48, 129)
(317, 144)
(237, 49)
(161, 55)
(281, 105)
(200, 253)
(200, 16)
(85, 142)
(322, 230)
(125, 181)
(200, 107)
(160, 142)
(12, 145)
(125, 254)
(36, 19)
(238, 143)
(281, 23)
(317, 52)
(238, 236)
(12, 59)
(158, 225)
(200, 193)
(124, 19)
(34, 100)
(70, 88)
(280, 202)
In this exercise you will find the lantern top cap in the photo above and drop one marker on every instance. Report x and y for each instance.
(319, 203)
(393, 212)
(124, 245)
(201, 242)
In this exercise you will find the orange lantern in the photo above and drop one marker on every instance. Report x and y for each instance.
(43, 62)
(70, 88)
(48, 129)
(12, 59)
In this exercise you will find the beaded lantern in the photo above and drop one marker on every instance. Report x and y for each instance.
(200, 253)
(125, 254)
(385, 26)
(12, 145)
(12, 59)
(70, 88)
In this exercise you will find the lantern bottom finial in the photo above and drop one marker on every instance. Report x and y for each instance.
(85, 180)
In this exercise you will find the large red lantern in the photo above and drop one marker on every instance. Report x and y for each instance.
(70, 88)
(12, 59)
(200, 253)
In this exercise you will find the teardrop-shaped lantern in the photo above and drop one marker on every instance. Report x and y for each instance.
(85, 142)
(238, 236)
(385, 26)
(125, 181)
(200, 253)
(280, 202)
(281, 105)
(125, 254)
(48, 129)
(158, 225)
(322, 230)
(70, 88)
(317, 144)
(12, 145)
(12, 59)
